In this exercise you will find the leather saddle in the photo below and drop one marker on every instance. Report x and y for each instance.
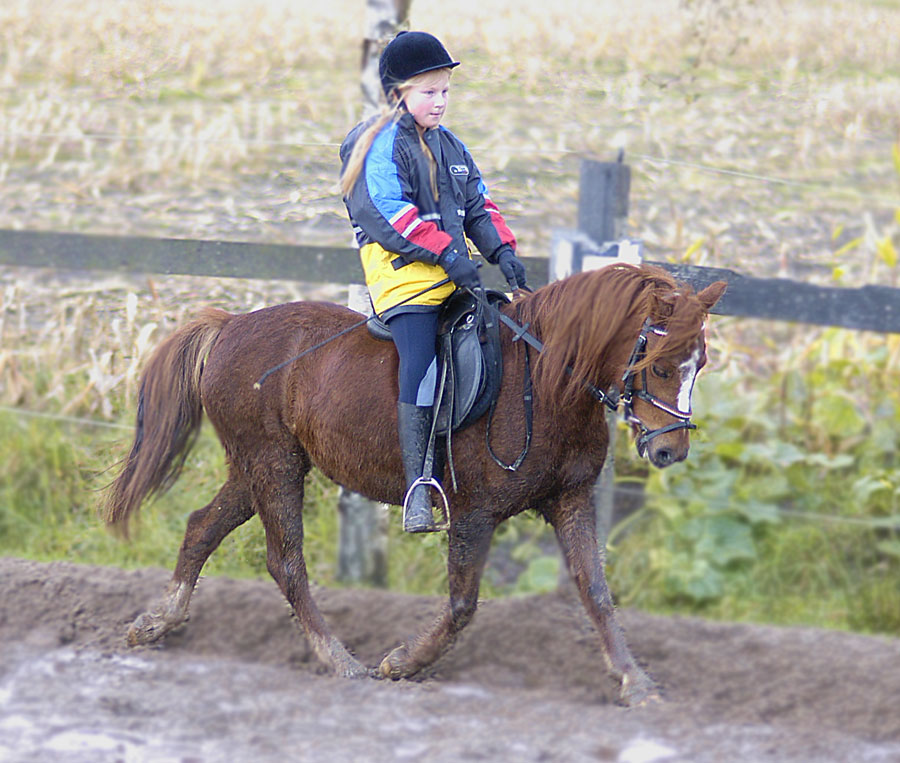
(470, 364)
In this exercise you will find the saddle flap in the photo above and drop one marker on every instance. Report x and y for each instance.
(471, 363)
(466, 369)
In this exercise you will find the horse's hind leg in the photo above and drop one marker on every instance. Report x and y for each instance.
(470, 541)
(206, 528)
(575, 524)
(280, 497)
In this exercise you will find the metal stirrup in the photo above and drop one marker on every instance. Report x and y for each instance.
(445, 507)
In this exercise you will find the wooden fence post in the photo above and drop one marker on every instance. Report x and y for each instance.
(362, 541)
(362, 532)
(603, 199)
(362, 537)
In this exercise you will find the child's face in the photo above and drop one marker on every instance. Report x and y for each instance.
(427, 100)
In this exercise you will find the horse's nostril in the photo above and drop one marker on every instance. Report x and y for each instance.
(664, 457)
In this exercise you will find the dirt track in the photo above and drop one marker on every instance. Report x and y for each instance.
(525, 682)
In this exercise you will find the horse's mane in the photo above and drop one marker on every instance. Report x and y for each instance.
(580, 319)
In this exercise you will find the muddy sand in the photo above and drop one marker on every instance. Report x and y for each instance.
(525, 682)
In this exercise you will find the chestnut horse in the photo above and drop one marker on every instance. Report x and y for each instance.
(335, 408)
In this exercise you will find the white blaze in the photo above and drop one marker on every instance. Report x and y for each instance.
(688, 370)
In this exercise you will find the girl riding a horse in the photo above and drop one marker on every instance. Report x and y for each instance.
(414, 195)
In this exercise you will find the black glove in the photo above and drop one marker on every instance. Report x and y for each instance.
(462, 271)
(512, 268)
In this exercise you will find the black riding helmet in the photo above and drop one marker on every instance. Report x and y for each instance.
(409, 54)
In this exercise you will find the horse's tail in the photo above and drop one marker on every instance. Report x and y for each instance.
(168, 417)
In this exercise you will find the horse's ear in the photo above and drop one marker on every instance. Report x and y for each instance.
(711, 294)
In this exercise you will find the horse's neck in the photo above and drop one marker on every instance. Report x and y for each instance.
(576, 414)
(612, 358)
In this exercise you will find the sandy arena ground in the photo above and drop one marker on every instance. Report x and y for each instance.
(525, 682)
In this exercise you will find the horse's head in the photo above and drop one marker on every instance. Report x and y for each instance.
(588, 323)
(659, 378)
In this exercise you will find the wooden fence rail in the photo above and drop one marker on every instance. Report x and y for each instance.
(869, 308)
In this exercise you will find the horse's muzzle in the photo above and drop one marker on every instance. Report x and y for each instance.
(663, 457)
(661, 453)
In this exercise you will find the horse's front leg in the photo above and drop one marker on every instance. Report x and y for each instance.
(574, 521)
(469, 542)
(206, 528)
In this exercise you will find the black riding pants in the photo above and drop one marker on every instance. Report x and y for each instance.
(414, 335)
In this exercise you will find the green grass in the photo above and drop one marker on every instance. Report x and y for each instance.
(802, 572)
(711, 538)
(51, 489)
(788, 508)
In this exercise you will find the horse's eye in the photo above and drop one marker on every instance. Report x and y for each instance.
(661, 371)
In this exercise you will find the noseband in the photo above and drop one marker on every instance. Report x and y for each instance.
(629, 393)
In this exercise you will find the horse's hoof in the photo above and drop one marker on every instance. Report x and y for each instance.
(395, 665)
(639, 692)
(149, 627)
(354, 669)
(645, 699)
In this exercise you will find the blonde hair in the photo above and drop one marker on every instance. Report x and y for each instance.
(390, 113)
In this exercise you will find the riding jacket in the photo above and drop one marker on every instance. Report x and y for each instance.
(402, 229)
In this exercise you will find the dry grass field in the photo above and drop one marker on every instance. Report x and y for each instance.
(762, 135)
(221, 120)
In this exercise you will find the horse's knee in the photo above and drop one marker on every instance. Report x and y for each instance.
(275, 568)
(598, 590)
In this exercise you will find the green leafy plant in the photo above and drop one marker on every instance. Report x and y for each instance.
(791, 492)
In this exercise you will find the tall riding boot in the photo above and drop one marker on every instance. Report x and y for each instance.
(414, 426)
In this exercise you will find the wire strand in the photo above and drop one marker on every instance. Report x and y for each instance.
(60, 417)
(163, 139)
(827, 189)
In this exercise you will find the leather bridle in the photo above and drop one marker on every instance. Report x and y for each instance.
(629, 393)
